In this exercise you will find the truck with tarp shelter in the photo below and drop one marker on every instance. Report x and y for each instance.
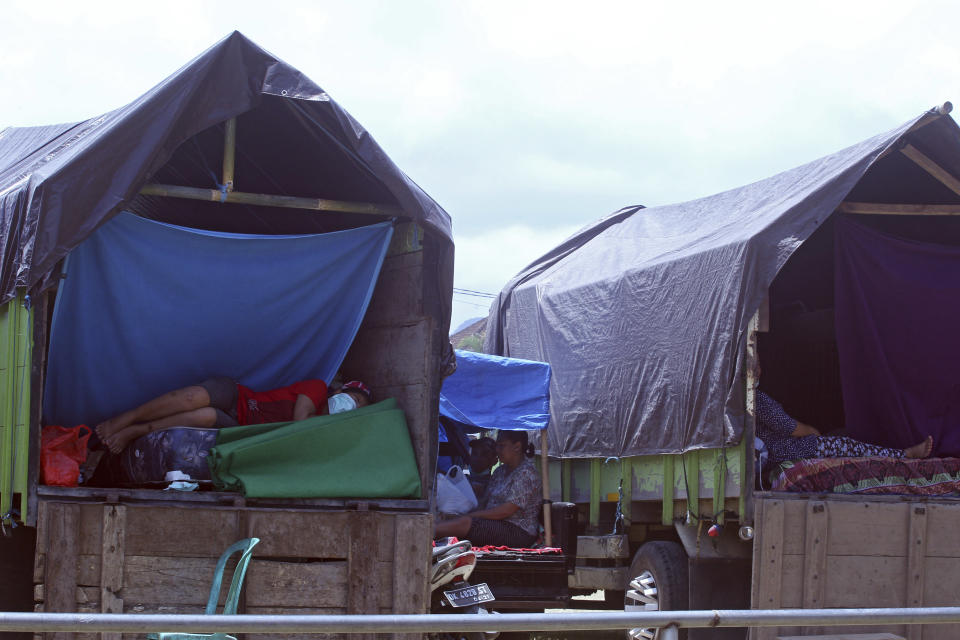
(844, 275)
(234, 220)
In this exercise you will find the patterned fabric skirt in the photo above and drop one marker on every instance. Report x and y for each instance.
(499, 533)
(844, 447)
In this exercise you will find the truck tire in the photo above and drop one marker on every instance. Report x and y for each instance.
(657, 580)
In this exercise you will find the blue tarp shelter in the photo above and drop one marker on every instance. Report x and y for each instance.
(236, 142)
(265, 310)
(494, 392)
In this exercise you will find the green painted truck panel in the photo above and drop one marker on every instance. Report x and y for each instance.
(16, 348)
(710, 478)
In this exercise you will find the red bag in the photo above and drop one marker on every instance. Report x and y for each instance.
(62, 451)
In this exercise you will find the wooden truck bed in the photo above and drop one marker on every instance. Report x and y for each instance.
(115, 557)
(816, 551)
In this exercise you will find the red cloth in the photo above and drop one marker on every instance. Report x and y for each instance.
(276, 405)
(489, 548)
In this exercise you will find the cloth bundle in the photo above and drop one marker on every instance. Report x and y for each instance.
(151, 457)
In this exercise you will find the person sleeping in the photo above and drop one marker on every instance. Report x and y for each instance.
(508, 513)
(223, 402)
(789, 439)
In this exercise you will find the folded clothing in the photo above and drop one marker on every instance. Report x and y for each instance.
(364, 453)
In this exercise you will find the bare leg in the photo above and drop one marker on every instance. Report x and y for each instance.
(921, 450)
(203, 417)
(457, 527)
(172, 403)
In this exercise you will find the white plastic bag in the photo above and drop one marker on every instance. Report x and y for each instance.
(454, 493)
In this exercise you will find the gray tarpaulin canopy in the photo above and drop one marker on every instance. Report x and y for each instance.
(59, 183)
(643, 315)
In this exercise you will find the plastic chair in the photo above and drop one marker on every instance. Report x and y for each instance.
(233, 595)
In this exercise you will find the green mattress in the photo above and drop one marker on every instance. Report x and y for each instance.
(364, 453)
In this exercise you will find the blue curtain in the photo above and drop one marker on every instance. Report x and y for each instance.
(147, 307)
(897, 304)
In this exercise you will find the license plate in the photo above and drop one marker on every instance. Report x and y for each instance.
(466, 596)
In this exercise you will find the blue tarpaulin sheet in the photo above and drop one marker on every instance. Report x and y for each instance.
(147, 307)
(493, 392)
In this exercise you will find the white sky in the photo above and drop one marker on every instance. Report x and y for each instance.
(528, 120)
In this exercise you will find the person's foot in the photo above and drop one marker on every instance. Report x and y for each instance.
(118, 441)
(109, 427)
(921, 450)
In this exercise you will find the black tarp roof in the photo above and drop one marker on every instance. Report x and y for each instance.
(59, 183)
(643, 315)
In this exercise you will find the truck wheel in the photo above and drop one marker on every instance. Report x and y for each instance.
(658, 581)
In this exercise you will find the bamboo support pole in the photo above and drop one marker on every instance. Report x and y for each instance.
(268, 200)
(229, 152)
(545, 475)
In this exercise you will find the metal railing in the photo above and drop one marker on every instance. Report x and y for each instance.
(199, 623)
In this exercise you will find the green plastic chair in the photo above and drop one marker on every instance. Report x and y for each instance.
(233, 595)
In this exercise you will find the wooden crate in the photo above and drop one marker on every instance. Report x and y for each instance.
(856, 551)
(135, 558)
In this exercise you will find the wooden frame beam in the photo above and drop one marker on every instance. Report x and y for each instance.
(268, 200)
(931, 167)
(927, 118)
(228, 195)
(873, 208)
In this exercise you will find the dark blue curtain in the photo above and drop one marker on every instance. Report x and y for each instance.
(898, 336)
(147, 307)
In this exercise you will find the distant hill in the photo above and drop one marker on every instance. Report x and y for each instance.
(469, 336)
(465, 324)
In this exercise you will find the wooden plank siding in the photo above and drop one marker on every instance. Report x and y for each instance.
(822, 552)
(394, 353)
(135, 558)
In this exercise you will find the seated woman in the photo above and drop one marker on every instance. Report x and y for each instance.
(223, 402)
(508, 514)
(789, 439)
